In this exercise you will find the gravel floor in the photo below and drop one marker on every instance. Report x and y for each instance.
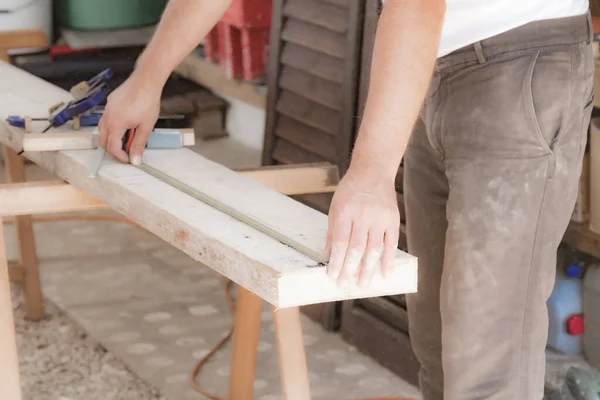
(59, 361)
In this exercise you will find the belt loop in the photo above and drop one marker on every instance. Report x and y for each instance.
(479, 52)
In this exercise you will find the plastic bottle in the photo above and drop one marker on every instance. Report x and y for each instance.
(565, 312)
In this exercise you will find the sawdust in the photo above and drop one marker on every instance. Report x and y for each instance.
(58, 361)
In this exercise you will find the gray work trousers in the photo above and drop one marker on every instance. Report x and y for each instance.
(490, 182)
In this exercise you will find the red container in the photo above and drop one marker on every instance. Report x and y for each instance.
(211, 45)
(241, 52)
(249, 13)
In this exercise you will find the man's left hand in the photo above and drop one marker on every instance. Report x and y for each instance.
(364, 223)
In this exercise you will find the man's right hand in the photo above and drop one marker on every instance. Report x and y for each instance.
(133, 105)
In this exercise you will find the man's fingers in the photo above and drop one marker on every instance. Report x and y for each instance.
(339, 244)
(115, 142)
(102, 132)
(389, 253)
(372, 258)
(138, 144)
(356, 250)
(330, 225)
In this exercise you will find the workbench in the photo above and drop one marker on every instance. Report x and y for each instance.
(263, 268)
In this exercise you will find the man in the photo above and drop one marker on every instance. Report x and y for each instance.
(498, 96)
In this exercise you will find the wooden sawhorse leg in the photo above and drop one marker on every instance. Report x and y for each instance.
(15, 168)
(10, 381)
(34, 302)
(290, 349)
(245, 342)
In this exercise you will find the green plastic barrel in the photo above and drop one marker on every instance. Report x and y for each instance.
(108, 14)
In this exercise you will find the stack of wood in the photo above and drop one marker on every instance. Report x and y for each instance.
(205, 112)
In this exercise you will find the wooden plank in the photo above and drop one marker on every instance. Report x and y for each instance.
(318, 13)
(311, 87)
(308, 139)
(315, 63)
(287, 153)
(86, 138)
(10, 380)
(314, 37)
(307, 112)
(280, 275)
(297, 179)
(212, 76)
(42, 197)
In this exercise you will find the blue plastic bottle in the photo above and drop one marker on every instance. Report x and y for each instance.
(564, 308)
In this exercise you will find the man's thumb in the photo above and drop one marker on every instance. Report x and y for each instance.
(138, 143)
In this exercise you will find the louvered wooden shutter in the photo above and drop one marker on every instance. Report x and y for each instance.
(314, 64)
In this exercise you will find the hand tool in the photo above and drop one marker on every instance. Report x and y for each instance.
(159, 139)
(78, 106)
(97, 158)
(83, 87)
(88, 139)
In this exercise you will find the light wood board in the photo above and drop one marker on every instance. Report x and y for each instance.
(278, 274)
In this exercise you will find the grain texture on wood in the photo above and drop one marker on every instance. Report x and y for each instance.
(288, 153)
(43, 197)
(318, 13)
(320, 91)
(315, 63)
(279, 274)
(296, 179)
(307, 112)
(314, 37)
(306, 138)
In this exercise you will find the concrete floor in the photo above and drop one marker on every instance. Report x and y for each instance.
(157, 311)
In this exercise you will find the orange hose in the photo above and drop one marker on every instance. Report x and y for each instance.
(226, 288)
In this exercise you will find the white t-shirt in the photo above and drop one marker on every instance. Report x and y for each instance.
(468, 21)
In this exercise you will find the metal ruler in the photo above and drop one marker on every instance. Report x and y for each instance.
(253, 222)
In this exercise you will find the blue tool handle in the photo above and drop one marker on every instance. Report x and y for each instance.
(17, 121)
(90, 119)
(66, 113)
(102, 76)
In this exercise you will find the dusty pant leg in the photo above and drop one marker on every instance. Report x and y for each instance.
(425, 193)
(513, 145)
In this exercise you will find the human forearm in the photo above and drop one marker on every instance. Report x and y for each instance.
(404, 55)
(183, 25)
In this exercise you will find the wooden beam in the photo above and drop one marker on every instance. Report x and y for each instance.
(83, 139)
(43, 197)
(296, 179)
(197, 69)
(277, 273)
